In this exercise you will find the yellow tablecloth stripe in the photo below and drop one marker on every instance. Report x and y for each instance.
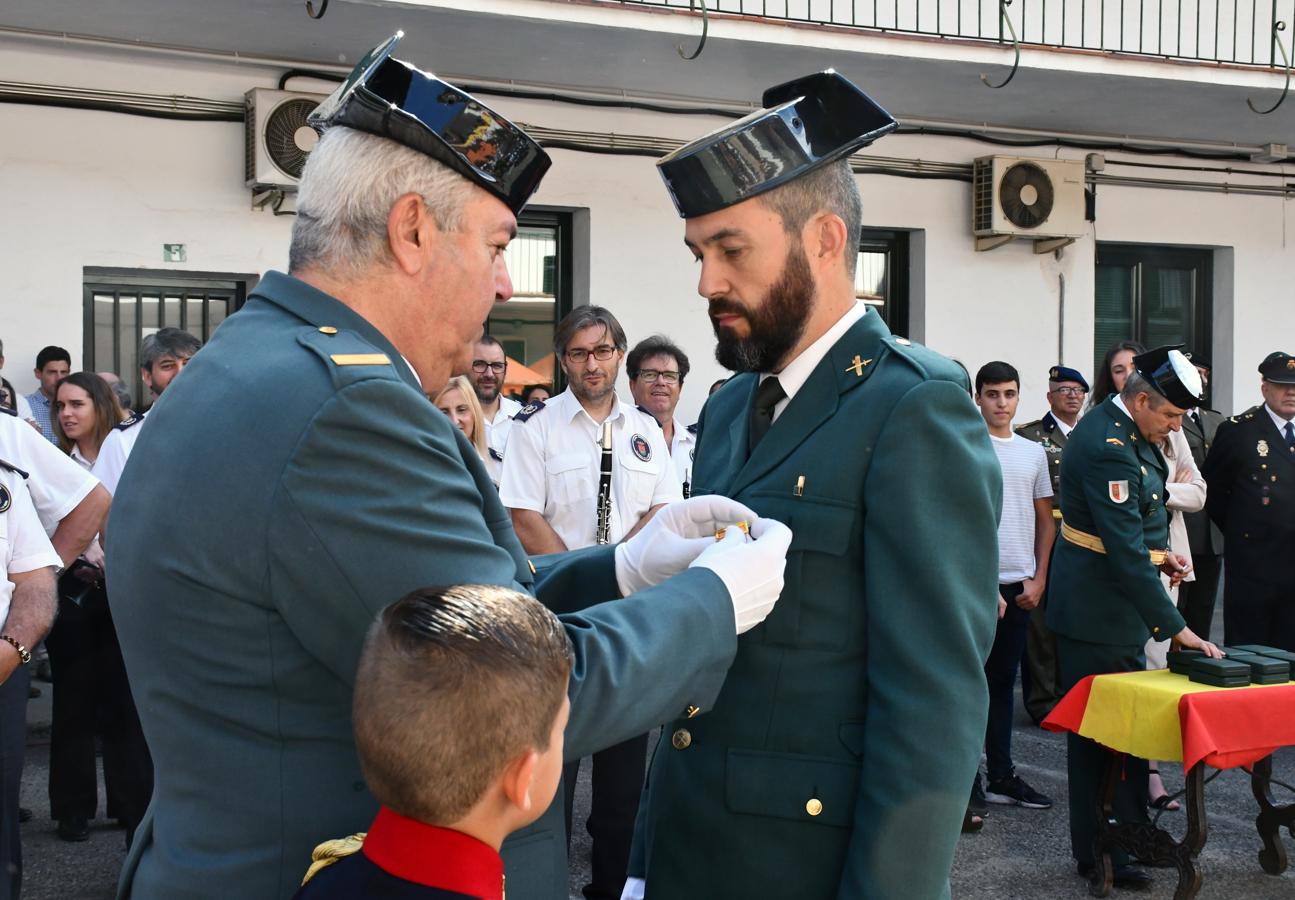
(1137, 712)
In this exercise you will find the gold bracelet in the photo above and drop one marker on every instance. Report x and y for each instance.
(23, 653)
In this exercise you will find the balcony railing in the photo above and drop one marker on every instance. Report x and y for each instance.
(1240, 32)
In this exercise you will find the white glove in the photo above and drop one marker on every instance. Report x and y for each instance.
(634, 889)
(751, 570)
(673, 538)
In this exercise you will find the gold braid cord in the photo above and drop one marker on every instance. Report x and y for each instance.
(330, 852)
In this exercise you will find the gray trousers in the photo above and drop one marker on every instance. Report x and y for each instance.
(13, 742)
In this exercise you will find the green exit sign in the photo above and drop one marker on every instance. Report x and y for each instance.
(174, 253)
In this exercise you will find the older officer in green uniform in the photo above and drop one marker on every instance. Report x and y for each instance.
(318, 485)
(836, 761)
(1105, 598)
(1066, 391)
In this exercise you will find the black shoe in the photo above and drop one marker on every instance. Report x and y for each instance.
(1013, 791)
(1125, 876)
(24, 814)
(75, 829)
(978, 806)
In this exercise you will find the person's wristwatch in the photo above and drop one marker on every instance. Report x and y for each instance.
(23, 653)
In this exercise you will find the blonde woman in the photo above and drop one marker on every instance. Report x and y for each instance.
(459, 401)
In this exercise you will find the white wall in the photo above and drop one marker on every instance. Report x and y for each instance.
(101, 189)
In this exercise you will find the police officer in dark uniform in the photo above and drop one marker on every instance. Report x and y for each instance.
(1106, 597)
(1250, 471)
(1196, 598)
(1066, 391)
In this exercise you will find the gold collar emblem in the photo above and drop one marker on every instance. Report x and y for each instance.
(1262, 448)
(857, 365)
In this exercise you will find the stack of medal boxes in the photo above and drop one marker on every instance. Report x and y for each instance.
(1243, 665)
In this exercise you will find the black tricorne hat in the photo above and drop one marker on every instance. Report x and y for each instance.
(805, 124)
(393, 99)
(1172, 374)
(1278, 367)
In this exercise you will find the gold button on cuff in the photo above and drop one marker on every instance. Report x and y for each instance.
(681, 739)
(691, 710)
(814, 806)
(327, 329)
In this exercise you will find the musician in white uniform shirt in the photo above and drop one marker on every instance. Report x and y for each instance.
(489, 368)
(551, 470)
(657, 369)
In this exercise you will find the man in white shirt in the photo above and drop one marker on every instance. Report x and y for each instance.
(551, 484)
(489, 367)
(162, 356)
(1025, 536)
(657, 369)
(27, 605)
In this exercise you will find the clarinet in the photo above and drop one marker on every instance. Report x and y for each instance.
(604, 532)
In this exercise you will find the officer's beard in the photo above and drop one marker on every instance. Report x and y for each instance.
(776, 325)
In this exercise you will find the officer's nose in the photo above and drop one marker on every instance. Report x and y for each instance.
(503, 283)
(710, 283)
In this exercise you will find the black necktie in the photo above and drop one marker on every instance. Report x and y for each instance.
(1290, 436)
(766, 398)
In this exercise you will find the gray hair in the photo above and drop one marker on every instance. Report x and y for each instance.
(351, 181)
(1136, 384)
(831, 189)
(583, 317)
(167, 342)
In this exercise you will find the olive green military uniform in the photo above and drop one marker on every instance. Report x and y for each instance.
(1104, 603)
(1040, 642)
(836, 760)
(294, 481)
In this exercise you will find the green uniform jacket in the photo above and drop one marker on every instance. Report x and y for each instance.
(283, 494)
(1113, 487)
(1049, 435)
(837, 760)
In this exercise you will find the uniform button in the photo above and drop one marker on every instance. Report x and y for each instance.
(681, 739)
(1144, 470)
(814, 806)
(691, 710)
(1155, 496)
(327, 329)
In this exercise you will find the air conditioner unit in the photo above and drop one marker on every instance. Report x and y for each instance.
(278, 138)
(1041, 199)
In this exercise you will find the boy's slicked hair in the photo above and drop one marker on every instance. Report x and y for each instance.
(997, 372)
(453, 684)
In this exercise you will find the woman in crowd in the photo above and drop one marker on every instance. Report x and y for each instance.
(533, 392)
(458, 401)
(1114, 371)
(91, 693)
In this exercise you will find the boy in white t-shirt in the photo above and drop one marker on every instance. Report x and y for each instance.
(1025, 536)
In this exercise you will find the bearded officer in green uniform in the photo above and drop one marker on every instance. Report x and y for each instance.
(836, 760)
(322, 485)
(1066, 391)
(1105, 597)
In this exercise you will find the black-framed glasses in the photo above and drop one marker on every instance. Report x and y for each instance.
(480, 365)
(1070, 391)
(665, 376)
(600, 353)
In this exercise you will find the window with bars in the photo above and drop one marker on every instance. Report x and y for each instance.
(1153, 295)
(123, 306)
(881, 276)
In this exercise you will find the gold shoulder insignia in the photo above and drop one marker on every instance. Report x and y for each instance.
(360, 359)
(330, 852)
(1116, 441)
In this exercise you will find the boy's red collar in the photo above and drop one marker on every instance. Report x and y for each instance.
(434, 857)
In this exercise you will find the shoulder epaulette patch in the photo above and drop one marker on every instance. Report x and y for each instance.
(692, 429)
(1116, 441)
(129, 422)
(360, 359)
(643, 409)
(495, 455)
(528, 410)
(330, 852)
(10, 467)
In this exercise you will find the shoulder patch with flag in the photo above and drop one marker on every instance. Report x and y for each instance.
(1118, 490)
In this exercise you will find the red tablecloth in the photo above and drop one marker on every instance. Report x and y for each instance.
(1160, 715)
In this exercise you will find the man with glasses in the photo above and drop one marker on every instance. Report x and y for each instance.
(552, 486)
(1250, 472)
(489, 366)
(1066, 392)
(657, 369)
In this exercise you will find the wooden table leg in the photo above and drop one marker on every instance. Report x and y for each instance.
(1146, 842)
(1271, 818)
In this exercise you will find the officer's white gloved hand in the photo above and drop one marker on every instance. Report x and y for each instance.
(634, 889)
(751, 570)
(673, 538)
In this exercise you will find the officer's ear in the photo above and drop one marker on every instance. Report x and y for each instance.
(410, 230)
(825, 242)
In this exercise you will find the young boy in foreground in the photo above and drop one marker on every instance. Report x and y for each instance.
(460, 704)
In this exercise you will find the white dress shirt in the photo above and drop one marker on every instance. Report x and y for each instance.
(23, 544)
(683, 450)
(114, 452)
(497, 431)
(55, 482)
(553, 463)
(794, 375)
(1277, 420)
